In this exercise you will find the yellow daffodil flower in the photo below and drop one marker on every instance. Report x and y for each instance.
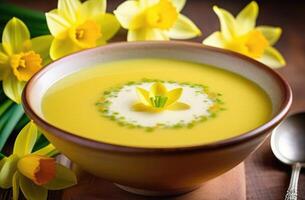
(33, 172)
(78, 26)
(155, 20)
(240, 35)
(20, 57)
(39, 169)
(159, 99)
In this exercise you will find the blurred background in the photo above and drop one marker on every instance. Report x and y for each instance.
(266, 178)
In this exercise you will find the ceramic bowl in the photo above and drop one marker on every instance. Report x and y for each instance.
(157, 171)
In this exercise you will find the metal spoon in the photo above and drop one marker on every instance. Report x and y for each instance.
(288, 145)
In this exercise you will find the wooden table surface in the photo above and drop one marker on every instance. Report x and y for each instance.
(266, 178)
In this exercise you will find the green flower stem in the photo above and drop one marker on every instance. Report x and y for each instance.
(5, 131)
(1, 156)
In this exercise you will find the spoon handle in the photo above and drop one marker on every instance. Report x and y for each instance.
(292, 191)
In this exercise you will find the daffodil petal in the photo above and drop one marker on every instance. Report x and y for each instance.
(41, 45)
(147, 34)
(31, 190)
(68, 9)
(179, 106)
(16, 186)
(215, 40)
(92, 8)
(184, 28)
(272, 58)
(126, 11)
(3, 56)
(227, 23)
(146, 3)
(7, 171)
(56, 23)
(64, 178)
(60, 48)
(179, 4)
(4, 66)
(109, 25)
(157, 89)
(143, 96)
(246, 19)
(140, 107)
(14, 36)
(100, 42)
(26, 139)
(13, 88)
(173, 96)
(272, 34)
(48, 150)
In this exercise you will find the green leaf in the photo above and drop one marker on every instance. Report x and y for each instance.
(6, 116)
(31, 191)
(5, 105)
(64, 178)
(3, 97)
(25, 140)
(5, 132)
(35, 20)
(21, 123)
(7, 171)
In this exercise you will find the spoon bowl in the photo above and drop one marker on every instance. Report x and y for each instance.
(288, 145)
(288, 140)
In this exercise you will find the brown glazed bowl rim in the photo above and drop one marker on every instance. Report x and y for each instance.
(90, 143)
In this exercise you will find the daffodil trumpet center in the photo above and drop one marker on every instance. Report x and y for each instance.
(162, 15)
(152, 104)
(39, 169)
(86, 34)
(256, 43)
(25, 64)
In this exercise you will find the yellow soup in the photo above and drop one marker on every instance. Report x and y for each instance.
(156, 103)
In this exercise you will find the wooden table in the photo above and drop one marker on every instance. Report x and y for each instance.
(266, 178)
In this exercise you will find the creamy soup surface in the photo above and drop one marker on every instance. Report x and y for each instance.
(156, 103)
